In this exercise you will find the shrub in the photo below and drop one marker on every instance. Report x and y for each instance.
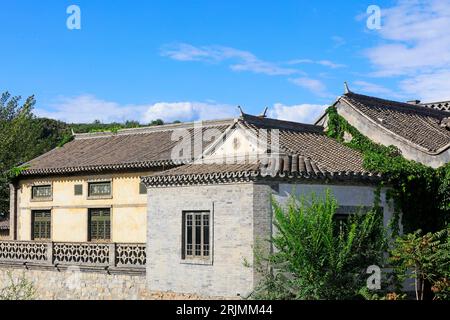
(315, 258)
(428, 257)
(20, 289)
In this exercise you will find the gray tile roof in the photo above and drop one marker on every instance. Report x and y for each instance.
(422, 127)
(128, 149)
(442, 106)
(306, 153)
(312, 153)
(288, 167)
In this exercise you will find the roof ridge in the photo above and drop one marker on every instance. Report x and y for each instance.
(412, 107)
(280, 124)
(151, 129)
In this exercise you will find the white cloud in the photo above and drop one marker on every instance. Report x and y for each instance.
(415, 46)
(325, 63)
(188, 111)
(304, 113)
(428, 87)
(239, 60)
(87, 108)
(416, 38)
(373, 88)
(315, 86)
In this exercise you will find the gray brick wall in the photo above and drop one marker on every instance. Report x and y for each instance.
(234, 233)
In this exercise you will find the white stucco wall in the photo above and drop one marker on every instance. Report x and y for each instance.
(346, 195)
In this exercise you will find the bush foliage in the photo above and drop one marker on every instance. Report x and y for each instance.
(316, 257)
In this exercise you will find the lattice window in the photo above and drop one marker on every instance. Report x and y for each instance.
(41, 192)
(196, 235)
(100, 189)
(41, 225)
(99, 224)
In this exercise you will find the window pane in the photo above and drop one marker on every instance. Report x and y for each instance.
(99, 224)
(100, 189)
(188, 234)
(41, 192)
(41, 225)
(198, 234)
(206, 235)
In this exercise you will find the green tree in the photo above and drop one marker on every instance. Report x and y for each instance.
(18, 133)
(316, 257)
(428, 258)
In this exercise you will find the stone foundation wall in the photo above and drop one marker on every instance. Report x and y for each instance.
(73, 284)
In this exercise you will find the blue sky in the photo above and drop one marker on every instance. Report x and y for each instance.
(190, 60)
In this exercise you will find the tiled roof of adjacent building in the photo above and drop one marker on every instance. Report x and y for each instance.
(127, 149)
(310, 142)
(424, 128)
(442, 106)
(304, 153)
(287, 167)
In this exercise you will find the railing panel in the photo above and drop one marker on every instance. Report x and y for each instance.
(130, 255)
(94, 254)
(111, 255)
(29, 251)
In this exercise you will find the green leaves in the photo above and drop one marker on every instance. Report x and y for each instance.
(420, 193)
(428, 256)
(315, 259)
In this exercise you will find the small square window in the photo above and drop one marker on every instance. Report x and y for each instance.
(78, 189)
(142, 188)
(43, 192)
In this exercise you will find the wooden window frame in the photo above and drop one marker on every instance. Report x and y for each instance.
(33, 225)
(95, 197)
(194, 256)
(89, 226)
(41, 199)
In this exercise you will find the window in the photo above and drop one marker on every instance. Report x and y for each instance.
(41, 225)
(78, 189)
(196, 235)
(341, 222)
(99, 224)
(43, 192)
(142, 188)
(100, 189)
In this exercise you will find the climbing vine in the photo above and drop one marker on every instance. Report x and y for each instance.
(420, 193)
